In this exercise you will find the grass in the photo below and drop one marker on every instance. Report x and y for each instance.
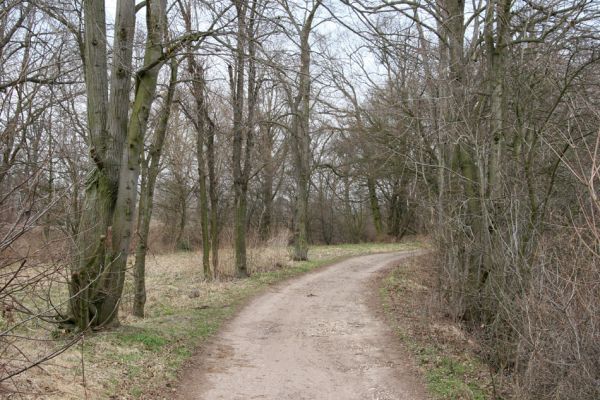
(183, 310)
(148, 340)
(448, 379)
(443, 352)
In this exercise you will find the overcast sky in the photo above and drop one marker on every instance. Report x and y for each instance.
(111, 6)
(331, 29)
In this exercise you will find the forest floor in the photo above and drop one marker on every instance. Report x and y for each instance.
(143, 358)
(314, 338)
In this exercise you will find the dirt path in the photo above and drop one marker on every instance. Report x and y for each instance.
(314, 338)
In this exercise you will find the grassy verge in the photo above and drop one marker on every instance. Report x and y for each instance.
(445, 354)
(141, 358)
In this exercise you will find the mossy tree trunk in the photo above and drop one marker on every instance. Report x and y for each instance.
(116, 143)
(197, 74)
(145, 88)
(477, 170)
(374, 204)
(203, 206)
(243, 128)
(267, 175)
(89, 306)
(213, 196)
(151, 168)
(300, 135)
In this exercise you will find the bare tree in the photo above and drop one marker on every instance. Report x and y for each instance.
(243, 119)
(299, 104)
(204, 128)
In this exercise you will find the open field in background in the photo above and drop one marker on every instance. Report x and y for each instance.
(446, 354)
(141, 358)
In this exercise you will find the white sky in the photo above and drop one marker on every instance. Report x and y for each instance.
(111, 6)
(331, 29)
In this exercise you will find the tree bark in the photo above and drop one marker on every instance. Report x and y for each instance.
(213, 195)
(496, 49)
(98, 202)
(301, 141)
(109, 205)
(202, 124)
(145, 88)
(147, 194)
(203, 201)
(243, 131)
(237, 91)
(198, 84)
(374, 203)
(267, 186)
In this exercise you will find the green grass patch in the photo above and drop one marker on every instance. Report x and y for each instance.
(448, 379)
(150, 340)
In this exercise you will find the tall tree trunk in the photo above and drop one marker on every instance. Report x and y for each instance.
(147, 196)
(107, 218)
(98, 203)
(203, 205)
(470, 253)
(496, 54)
(201, 122)
(302, 160)
(120, 89)
(198, 85)
(243, 131)
(143, 227)
(145, 88)
(213, 195)
(266, 191)
(486, 239)
(237, 90)
(301, 141)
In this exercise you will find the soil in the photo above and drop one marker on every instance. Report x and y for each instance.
(315, 337)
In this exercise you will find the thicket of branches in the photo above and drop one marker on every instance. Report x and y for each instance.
(205, 124)
(492, 107)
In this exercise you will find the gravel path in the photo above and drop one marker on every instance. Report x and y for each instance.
(316, 337)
